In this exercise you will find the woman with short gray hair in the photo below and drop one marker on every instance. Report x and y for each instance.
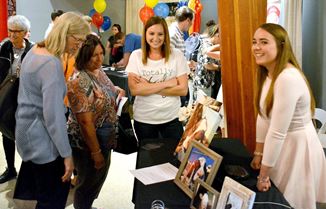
(12, 52)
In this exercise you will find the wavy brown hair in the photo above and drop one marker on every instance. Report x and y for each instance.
(284, 56)
(86, 51)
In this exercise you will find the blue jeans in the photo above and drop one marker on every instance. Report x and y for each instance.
(106, 136)
(91, 180)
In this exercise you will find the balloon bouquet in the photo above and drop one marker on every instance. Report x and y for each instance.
(151, 8)
(101, 22)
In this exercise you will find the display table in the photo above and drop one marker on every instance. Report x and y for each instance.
(119, 78)
(233, 152)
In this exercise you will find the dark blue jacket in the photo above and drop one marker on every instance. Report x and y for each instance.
(6, 54)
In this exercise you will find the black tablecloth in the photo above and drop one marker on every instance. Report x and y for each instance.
(233, 152)
(119, 78)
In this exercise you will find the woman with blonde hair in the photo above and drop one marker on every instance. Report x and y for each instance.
(288, 151)
(41, 133)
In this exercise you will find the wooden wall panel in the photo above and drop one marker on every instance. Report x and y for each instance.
(238, 20)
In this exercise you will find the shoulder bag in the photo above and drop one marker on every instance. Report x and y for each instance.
(8, 103)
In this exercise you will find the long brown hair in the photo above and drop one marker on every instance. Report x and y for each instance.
(165, 50)
(284, 56)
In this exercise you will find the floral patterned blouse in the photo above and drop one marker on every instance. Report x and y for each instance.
(204, 78)
(90, 93)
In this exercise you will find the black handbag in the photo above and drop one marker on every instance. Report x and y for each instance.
(8, 104)
(126, 139)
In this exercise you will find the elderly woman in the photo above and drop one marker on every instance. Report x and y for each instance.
(41, 133)
(12, 52)
(91, 125)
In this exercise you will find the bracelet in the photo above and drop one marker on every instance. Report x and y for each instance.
(258, 153)
(263, 179)
(97, 152)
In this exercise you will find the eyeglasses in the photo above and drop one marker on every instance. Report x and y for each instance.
(14, 31)
(78, 40)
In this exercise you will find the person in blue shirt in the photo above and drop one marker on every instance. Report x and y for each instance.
(131, 43)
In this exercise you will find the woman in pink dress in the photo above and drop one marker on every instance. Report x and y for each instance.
(288, 151)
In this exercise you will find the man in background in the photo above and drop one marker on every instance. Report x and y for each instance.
(131, 42)
(184, 17)
(54, 15)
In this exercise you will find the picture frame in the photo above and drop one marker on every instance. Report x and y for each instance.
(204, 196)
(199, 162)
(236, 196)
(201, 127)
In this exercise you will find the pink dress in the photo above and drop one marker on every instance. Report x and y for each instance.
(292, 147)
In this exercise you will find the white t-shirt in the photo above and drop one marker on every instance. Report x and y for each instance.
(157, 109)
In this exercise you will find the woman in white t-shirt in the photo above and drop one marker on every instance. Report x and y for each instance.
(157, 76)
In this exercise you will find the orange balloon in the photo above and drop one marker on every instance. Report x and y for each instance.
(145, 13)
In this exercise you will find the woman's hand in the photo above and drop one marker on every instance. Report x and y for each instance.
(98, 160)
(69, 168)
(121, 93)
(171, 82)
(256, 162)
(137, 78)
(263, 183)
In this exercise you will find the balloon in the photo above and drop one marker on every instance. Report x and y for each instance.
(91, 12)
(106, 23)
(199, 8)
(182, 3)
(99, 5)
(145, 13)
(162, 10)
(97, 20)
(192, 4)
(151, 3)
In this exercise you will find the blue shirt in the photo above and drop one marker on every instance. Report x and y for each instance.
(41, 131)
(132, 42)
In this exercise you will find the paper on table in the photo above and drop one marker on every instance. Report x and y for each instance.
(155, 174)
(120, 103)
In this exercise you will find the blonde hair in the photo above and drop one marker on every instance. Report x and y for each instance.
(88, 19)
(165, 50)
(284, 56)
(70, 23)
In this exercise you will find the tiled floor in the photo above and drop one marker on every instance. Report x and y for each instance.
(116, 192)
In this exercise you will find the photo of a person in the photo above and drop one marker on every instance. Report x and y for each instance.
(199, 164)
(196, 168)
(233, 201)
(235, 196)
(201, 127)
(205, 197)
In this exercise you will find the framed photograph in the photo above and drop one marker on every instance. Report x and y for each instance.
(201, 127)
(199, 162)
(235, 196)
(204, 196)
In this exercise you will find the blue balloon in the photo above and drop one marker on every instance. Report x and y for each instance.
(162, 10)
(91, 12)
(182, 3)
(106, 23)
